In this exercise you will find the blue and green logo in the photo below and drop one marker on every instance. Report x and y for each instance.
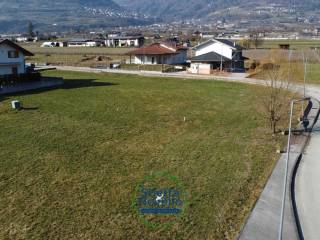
(160, 200)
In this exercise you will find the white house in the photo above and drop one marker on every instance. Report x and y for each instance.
(159, 53)
(127, 41)
(12, 58)
(216, 54)
(54, 44)
(84, 43)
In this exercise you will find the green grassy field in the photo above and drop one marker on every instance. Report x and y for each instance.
(312, 77)
(77, 56)
(294, 43)
(71, 160)
(313, 73)
(35, 48)
(77, 60)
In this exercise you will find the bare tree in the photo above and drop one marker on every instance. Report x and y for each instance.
(256, 37)
(275, 98)
(246, 43)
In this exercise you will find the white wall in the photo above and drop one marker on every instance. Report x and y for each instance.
(200, 68)
(179, 58)
(6, 63)
(217, 47)
(144, 59)
(126, 42)
(84, 44)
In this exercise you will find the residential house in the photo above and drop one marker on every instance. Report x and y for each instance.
(208, 35)
(159, 53)
(125, 41)
(197, 34)
(284, 46)
(217, 54)
(113, 34)
(12, 58)
(54, 44)
(84, 43)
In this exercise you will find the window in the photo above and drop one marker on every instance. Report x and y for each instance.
(13, 54)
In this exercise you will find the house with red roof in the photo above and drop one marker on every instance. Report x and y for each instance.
(159, 53)
(12, 58)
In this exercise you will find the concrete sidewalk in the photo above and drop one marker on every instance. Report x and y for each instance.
(308, 188)
(264, 221)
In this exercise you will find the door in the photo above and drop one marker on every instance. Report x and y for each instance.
(14, 70)
(152, 60)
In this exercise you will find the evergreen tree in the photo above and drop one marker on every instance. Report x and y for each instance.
(30, 29)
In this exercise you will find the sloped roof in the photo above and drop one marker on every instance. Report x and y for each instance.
(210, 57)
(229, 43)
(16, 46)
(157, 49)
(126, 37)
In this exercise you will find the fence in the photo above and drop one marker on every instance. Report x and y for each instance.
(11, 80)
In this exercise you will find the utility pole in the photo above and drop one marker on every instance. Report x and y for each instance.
(305, 60)
(285, 175)
(286, 167)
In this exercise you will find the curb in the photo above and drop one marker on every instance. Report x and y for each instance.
(293, 198)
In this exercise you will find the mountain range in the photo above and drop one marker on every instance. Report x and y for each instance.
(180, 10)
(57, 15)
(61, 14)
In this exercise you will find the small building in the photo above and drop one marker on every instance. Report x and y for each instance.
(125, 41)
(207, 35)
(197, 34)
(12, 58)
(284, 46)
(217, 54)
(159, 53)
(113, 34)
(54, 44)
(84, 43)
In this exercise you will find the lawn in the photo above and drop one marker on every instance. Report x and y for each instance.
(70, 162)
(78, 60)
(77, 56)
(313, 73)
(312, 77)
(296, 44)
(35, 48)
